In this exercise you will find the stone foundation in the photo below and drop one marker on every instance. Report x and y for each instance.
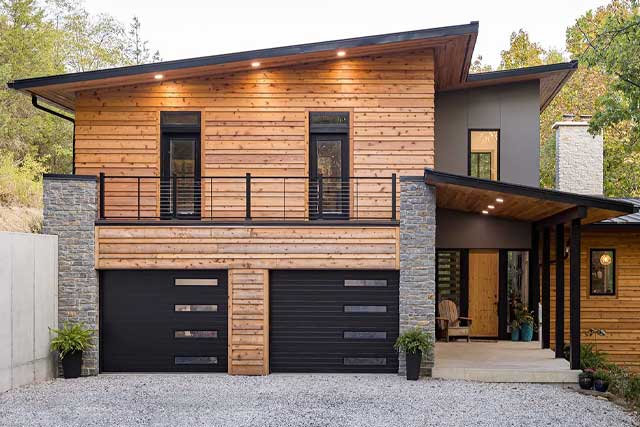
(417, 261)
(70, 213)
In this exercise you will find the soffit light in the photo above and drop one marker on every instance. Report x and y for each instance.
(485, 212)
(500, 200)
(491, 207)
(158, 76)
(341, 53)
(255, 64)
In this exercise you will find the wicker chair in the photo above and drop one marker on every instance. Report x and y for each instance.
(450, 323)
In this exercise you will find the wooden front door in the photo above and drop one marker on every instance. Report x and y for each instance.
(483, 292)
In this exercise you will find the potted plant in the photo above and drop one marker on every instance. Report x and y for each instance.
(69, 342)
(601, 380)
(414, 343)
(515, 330)
(527, 324)
(585, 379)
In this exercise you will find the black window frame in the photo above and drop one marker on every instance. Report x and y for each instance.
(613, 266)
(469, 132)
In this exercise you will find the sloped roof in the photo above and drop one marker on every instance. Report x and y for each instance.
(630, 219)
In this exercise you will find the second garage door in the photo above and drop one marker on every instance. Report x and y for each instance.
(333, 321)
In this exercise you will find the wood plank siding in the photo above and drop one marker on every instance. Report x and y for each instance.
(248, 322)
(618, 314)
(257, 247)
(257, 122)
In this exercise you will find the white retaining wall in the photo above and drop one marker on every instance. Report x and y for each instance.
(28, 307)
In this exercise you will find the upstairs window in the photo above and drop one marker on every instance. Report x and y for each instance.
(603, 271)
(484, 154)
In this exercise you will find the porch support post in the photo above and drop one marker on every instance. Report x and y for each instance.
(534, 272)
(574, 293)
(560, 290)
(546, 288)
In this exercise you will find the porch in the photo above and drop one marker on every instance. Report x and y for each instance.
(500, 362)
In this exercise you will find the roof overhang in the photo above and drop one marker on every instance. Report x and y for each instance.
(551, 77)
(453, 47)
(519, 202)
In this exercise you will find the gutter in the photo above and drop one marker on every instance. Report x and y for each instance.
(34, 102)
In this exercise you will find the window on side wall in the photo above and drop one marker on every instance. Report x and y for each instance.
(484, 148)
(602, 264)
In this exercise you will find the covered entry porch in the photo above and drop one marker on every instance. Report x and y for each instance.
(541, 214)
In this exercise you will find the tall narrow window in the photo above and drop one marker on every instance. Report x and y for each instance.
(180, 164)
(603, 271)
(449, 276)
(484, 154)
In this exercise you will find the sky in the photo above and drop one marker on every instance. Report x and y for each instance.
(190, 28)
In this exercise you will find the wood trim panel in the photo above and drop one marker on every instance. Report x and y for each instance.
(150, 247)
(248, 322)
(618, 314)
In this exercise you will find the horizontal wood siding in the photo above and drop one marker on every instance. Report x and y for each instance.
(248, 322)
(257, 121)
(619, 314)
(142, 247)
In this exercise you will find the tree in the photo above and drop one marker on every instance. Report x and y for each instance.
(522, 52)
(138, 51)
(478, 67)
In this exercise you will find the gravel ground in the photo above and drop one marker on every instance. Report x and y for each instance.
(299, 400)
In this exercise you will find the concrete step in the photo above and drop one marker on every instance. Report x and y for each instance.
(507, 375)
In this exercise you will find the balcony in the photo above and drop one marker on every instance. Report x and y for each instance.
(232, 199)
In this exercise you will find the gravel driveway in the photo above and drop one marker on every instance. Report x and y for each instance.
(298, 400)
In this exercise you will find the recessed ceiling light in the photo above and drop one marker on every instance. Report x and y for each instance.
(255, 64)
(491, 207)
(341, 53)
(158, 76)
(499, 200)
(485, 212)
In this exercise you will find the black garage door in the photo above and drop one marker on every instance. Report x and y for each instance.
(333, 321)
(163, 321)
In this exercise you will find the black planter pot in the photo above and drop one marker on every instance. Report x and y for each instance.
(585, 381)
(414, 360)
(600, 385)
(71, 364)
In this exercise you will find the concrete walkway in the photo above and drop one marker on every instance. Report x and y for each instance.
(500, 361)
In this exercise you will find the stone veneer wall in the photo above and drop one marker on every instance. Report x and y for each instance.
(417, 261)
(70, 213)
(579, 158)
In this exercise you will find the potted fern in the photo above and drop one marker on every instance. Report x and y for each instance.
(69, 342)
(414, 343)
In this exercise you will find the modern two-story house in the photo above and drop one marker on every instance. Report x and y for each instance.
(293, 209)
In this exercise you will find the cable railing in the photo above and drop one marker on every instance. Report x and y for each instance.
(249, 197)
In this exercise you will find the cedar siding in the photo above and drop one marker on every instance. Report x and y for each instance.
(618, 314)
(257, 122)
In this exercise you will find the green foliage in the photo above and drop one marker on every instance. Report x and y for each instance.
(602, 374)
(522, 52)
(20, 182)
(414, 340)
(591, 358)
(522, 316)
(71, 338)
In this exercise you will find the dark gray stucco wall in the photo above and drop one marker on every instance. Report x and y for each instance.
(472, 231)
(514, 109)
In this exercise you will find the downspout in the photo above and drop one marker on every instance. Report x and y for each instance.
(34, 102)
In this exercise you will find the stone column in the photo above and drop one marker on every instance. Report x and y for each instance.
(417, 261)
(70, 213)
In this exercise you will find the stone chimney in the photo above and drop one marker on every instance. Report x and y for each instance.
(578, 157)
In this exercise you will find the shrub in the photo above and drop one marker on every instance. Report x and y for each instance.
(70, 339)
(590, 358)
(602, 374)
(20, 182)
(414, 340)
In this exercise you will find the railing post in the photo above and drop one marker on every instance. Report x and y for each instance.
(174, 196)
(138, 198)
(393, 197)
(247, 209)
(320, 196)
(102, 195)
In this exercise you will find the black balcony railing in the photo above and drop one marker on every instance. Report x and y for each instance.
(220, 198)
